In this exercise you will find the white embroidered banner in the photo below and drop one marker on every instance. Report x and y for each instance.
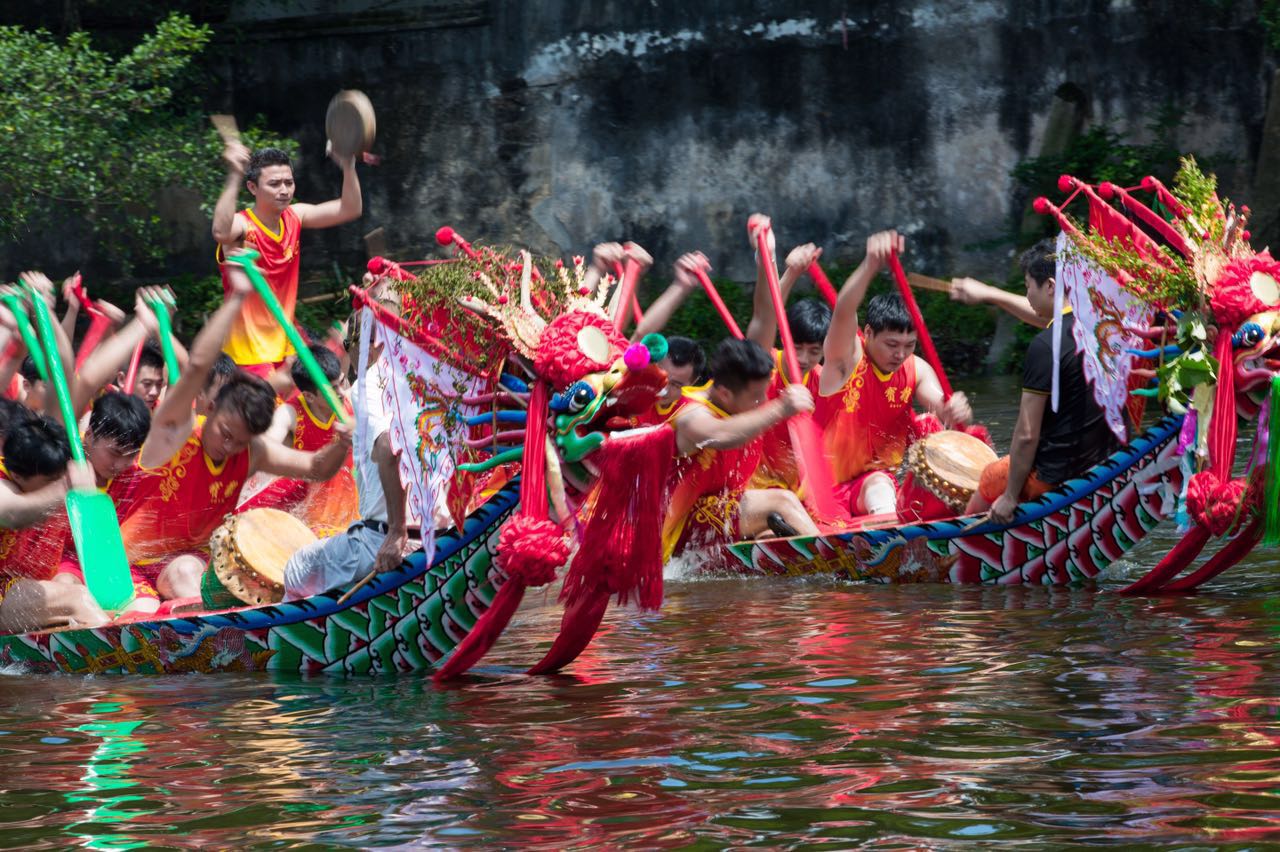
(1103, 310)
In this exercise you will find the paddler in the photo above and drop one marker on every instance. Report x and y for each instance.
(195, 467)
(718, 446)
(869, 381)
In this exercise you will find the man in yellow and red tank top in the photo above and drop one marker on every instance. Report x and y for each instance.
(869, 380)
(273, 227)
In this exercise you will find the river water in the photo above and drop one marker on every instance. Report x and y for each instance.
(764, 712)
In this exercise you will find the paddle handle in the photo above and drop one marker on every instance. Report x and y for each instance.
(161, 312)
(246, 260)
(922, 331)
(45, 327)
(823, 283)
(718, 303)
(924, 282)
(131, 377)
(630, 275)
(779, 309)
(14, 304)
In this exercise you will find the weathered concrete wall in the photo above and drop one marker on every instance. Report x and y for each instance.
(561, 122)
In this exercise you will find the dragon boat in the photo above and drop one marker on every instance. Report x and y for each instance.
(409, 620)
(1206, 304)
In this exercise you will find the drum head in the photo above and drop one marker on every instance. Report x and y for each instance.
(254, 549)
(956, 458)
(350, 123)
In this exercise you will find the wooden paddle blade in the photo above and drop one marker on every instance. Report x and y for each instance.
(96, 531)
(924, 282)
(226, 127)
(375, 242)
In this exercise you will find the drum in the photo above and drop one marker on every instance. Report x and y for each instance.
(247, 558)
(350, 123)
(942, 472)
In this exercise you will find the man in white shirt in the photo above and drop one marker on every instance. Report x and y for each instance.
(378, 542)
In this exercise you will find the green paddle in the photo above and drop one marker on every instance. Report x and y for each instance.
(159, 307)
(246, 259)
(94, 524)
(13, 302)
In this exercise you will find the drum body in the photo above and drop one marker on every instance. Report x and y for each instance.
(941, 474)
(247, 558)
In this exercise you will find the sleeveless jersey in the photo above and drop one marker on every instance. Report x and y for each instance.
(181, 503)
(867, 423)
(778, 467)
(256, 338)
(706, 487)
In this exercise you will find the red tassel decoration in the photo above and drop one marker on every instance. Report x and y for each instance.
(1235, 550)
(530, 547)
(1175, 562)
(620, 547)
(1222, 428)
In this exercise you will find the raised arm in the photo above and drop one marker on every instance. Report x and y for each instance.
(114, 352)
(228, 230)
(663, 307)
(764, 322)
(43, 287)
(174, 419)
(699, 428)
(763, 326)
(842, 350)
(338, 211)
(970, 291)
(274, 457)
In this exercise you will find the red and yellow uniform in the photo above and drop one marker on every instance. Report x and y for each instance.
(179, 504)
(778, 468)
(327, 507)
(867, 425)
(706, 488)
(256, 340)
(662, 411)
(31, 553)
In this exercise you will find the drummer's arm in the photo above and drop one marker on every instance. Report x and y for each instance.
(338, 211)
(228, 229)
(1022, 450)
(970, 291)
(273, 457)
(952, 412)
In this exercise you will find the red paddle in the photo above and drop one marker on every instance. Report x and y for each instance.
(630, 274)
(718, 303)
(926, 342)
(823, 283)
(131, 377)
(806, 438)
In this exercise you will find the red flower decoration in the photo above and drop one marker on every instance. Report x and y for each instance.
(531, 549)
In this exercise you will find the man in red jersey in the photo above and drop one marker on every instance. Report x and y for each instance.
(271, 226)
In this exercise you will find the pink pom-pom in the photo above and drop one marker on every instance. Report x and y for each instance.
(1106, 189)
(1245, 235)
(1066, 183)
(584, 290)
(1149, 183)
(445, 236)
(1245, 209)
(636, 357)
(502, 300)
(377, 264)
(1041, 205)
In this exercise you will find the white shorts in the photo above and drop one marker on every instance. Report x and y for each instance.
(331, 562)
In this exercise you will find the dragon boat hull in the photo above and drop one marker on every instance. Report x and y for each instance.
(402, 621)
(1069, 535)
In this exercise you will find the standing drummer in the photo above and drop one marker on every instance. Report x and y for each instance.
(272, 226)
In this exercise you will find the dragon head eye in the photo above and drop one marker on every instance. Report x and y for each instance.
(580, 398)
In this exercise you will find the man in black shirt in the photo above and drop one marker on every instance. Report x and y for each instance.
(1049, 447)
